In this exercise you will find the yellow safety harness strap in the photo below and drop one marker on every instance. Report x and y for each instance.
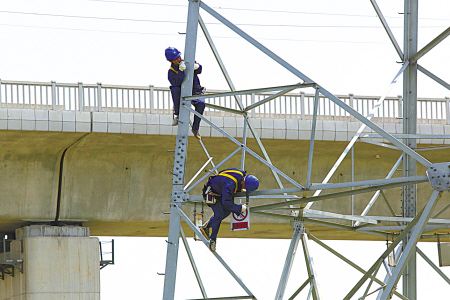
(232, 171)
(229, 176)
(173, 70)
(224, 173)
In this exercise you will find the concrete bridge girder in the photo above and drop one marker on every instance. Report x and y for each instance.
(117, 184)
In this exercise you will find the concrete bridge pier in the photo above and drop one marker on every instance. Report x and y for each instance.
(58, 263)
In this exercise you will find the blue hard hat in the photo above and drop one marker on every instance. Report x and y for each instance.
(251, 183)
(172, 53)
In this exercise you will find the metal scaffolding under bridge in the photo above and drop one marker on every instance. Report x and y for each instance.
(294, 203)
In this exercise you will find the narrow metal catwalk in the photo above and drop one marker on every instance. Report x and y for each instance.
(292, 204)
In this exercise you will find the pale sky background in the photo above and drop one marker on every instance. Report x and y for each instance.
(339, 44)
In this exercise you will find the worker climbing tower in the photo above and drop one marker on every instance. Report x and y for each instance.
(295, 201)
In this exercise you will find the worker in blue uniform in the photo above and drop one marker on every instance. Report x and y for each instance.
(224, 186)
(176, 77)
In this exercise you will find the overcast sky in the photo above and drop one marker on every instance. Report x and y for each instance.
(339, 44)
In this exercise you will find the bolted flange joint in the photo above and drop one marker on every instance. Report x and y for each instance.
(439, 176)
(180, 196)
(297, 225)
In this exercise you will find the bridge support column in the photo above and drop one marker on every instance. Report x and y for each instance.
(58, 263)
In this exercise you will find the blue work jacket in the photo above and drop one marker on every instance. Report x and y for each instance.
(226, 187)
(176, 78)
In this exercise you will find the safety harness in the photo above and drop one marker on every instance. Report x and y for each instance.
(208, 194)
(225, 173)
(176, 72)
(194, 87)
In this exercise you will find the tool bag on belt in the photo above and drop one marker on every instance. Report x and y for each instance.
(209, 196)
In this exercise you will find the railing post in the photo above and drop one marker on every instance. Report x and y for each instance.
(99, 95)
(447, 100)
(80, 97)
(152, 98)
(253, 102)
(54, 95)
(292, 106)
(302, 105)
(400, 106)
(352, 105)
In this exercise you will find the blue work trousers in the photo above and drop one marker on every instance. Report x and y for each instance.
(221, 211)
(198, 104)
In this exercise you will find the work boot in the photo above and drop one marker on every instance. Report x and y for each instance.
(175, 120)
(205, 230)
(196, 134)
(212, 245)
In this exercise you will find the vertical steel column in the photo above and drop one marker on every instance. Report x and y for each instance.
(181, 147)
(409, 251)
(298, 232)
(410, 127)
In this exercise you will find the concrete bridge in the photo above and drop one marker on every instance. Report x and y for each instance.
(102, 155)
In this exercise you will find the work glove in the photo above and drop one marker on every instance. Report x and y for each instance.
(182, 66)
(196, 66)
(244, 208)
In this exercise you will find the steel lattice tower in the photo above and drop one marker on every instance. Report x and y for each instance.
(404, 243)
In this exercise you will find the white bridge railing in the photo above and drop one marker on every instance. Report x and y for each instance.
(154, 100)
